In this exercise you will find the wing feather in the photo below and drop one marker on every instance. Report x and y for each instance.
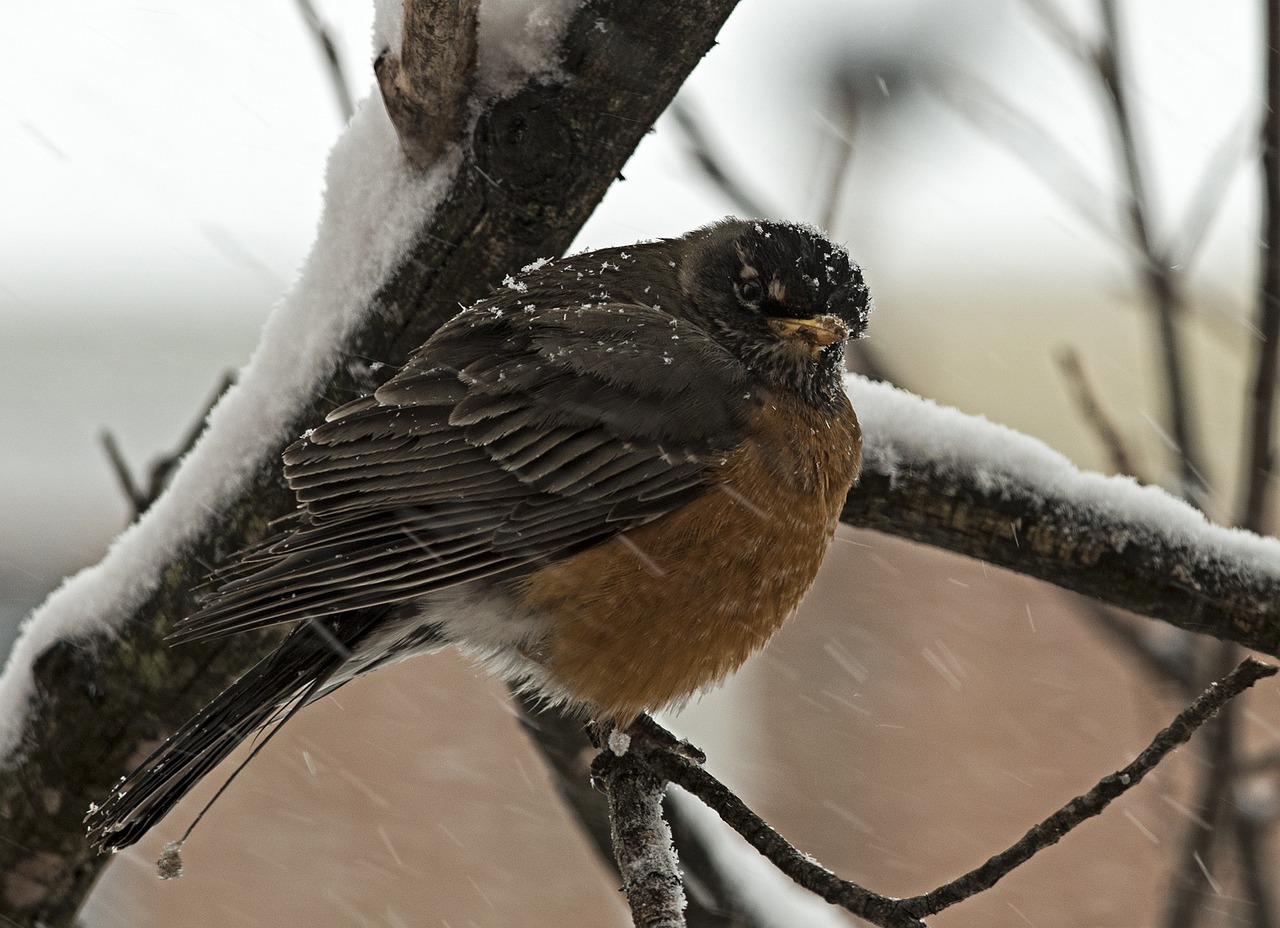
(510, 438)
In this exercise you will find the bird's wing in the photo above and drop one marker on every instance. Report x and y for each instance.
(514, 435)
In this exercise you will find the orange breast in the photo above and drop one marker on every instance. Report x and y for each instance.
(666, 609)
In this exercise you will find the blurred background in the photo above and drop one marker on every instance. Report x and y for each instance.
(164, 173)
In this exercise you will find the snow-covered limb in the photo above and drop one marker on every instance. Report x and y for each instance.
(394, 257)
(936, 475)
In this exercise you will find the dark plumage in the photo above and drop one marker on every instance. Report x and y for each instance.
(638, 449)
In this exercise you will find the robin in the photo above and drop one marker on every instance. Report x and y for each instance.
(610, 481)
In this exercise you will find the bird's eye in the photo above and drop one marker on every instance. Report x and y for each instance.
(750, 290)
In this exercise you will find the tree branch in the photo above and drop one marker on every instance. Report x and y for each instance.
(332, 60)
(427, 83)
(536, 165)
(959, 483)
(641, 837)
(885, 911)
(1051, 830)
(568, 752)
(1162, 285)
(806, 872)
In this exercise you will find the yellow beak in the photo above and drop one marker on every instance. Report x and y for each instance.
(818, 332)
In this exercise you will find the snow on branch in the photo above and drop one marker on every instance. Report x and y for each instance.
(561, 96)
(959, 482)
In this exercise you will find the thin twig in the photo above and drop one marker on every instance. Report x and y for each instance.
(1160, 281)
(1235, 149)
(564, 746)
(1094, 414)
(1058, 28)
(707, 156)
(642, 843)
(849, 102)
(1024, 136)
(1259, 451)
(1051, 830)
(333, 61)
(120, 467)
(1196, 856)
(882, 910)
(140, 499)
(800, 867)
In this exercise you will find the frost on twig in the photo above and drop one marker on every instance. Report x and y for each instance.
(642, 846)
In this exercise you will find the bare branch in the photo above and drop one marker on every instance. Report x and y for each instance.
(120, 467)
(847, 97)
(642, 839)
(1260, 450)
(1196, 856)
(1051, 830)
(1023, 135)
(427, 81)
(1235, 149)
(333, 61)
(1159, 280)
(140, 499)
(1057, 27)
(1091, 407)
(565, 746)
(709, 158)
(882, 910)
(800, 867)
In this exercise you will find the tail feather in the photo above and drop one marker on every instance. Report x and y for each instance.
(292, 675)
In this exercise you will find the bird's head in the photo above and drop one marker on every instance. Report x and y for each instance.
(781, 298)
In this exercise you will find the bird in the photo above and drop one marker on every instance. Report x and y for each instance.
(610, 482)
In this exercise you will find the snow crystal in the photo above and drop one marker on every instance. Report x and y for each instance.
(619, 742)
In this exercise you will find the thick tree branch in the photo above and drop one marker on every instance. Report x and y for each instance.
(537, 164)
(1005, 514)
